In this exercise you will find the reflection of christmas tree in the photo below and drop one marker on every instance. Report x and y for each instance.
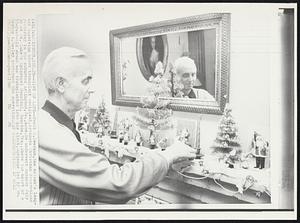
(101, 123)
(227, 138)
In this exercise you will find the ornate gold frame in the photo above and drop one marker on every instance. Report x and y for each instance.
(220, 21)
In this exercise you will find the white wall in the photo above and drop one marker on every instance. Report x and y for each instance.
(250, 65)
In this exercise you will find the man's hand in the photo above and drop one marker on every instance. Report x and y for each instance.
(179, 152)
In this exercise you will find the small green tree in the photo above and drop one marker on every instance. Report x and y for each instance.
(227, 138)
(101, 122)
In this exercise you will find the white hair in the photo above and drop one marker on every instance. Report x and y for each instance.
(58, 63)
(183, 65)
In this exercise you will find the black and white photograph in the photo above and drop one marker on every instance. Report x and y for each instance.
(150, 111)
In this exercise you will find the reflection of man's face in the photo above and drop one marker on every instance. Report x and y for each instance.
(78, 84)
(188, 80)
(153, 42)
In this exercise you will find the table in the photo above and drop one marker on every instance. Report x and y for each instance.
(192, 186)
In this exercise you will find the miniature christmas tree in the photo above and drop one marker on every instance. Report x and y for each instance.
(101, 119)
(155, 114)
(227, 139)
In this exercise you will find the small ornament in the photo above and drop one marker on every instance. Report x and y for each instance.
(258, 194)
(245, 165)
(127, 124)
(113, 134)
(184, 136)
(101, 121)
(163, 143)
(138, 138)
(230, 158)
(83, 124)
(126, 138)
(152, 141)
(121, 136)
(259, 147)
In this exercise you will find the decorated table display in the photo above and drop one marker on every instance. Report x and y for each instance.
(226, 175)
(206, 174)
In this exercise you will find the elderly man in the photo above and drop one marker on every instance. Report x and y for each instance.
(69, 172)
(185, 70)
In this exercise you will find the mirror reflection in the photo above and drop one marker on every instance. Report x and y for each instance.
(186, 59)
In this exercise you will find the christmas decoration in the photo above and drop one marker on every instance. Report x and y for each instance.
(163, 143)
(83, 123)
(101, 122)
(123, 132)
(126, 138)
(113, 133)
(155, 114)
(259, 150)
(227, 141)
(121, 135)
(138, 138)
(184, 136)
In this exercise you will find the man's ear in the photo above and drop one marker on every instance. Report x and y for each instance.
(60, 84)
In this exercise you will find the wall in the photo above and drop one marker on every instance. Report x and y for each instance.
(250, 63)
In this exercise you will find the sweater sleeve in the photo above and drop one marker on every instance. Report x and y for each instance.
(70, 166)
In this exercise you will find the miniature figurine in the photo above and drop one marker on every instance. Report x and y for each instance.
(95, 127)
(152, 141)
(260, 150)
(230, 158)
(121, 136)
(138, 138)
(163, 143)
(106, 129)
(84, 123)
(127, 124)
(113, 134)
(126, 138)
(245, 160)
(184, 136)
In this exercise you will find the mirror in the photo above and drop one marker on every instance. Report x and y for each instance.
(137, 53)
